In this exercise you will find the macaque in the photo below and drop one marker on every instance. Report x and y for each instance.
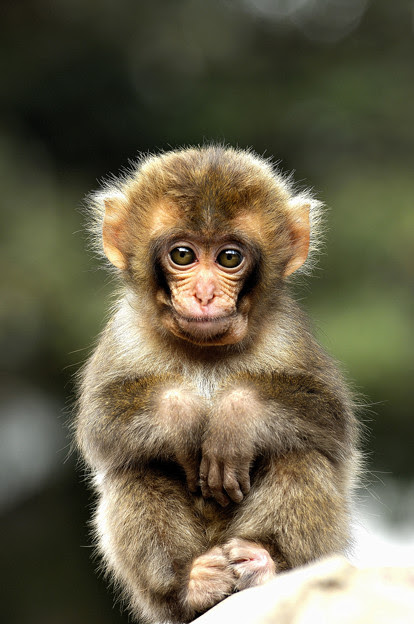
(220, 437)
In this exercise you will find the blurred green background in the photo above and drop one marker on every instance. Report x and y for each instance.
(325, 86)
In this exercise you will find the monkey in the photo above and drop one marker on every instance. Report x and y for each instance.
(220, 438)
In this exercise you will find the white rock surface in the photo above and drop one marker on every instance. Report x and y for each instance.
(331, 591)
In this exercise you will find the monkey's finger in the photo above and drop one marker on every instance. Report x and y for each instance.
(244, 480)
(205, 491)
(231, 485)
(215, 483)
(204, 470)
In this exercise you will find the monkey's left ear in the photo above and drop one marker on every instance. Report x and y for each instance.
(114, 231)
(299, 210)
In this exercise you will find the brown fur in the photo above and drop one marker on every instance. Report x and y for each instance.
(219, 458)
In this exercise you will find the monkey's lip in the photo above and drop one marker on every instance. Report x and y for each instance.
(204, 319)
(205, 324)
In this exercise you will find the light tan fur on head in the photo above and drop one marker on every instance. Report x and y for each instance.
(131, 210)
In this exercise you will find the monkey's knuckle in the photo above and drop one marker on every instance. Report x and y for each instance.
(215, 484)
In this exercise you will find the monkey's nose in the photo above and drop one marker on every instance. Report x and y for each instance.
(204, 298)
(204, 293)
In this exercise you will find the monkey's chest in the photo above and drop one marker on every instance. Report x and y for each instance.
(205, 385)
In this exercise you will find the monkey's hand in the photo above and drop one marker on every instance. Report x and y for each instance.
(225, 470)
(230, 445)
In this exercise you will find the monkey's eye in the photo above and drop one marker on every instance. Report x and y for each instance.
(182, 256)
(229, 258)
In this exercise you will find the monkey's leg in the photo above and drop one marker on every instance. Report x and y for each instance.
(154, 542)
(296, 509)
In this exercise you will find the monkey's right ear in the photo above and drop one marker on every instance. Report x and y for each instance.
(114, 230)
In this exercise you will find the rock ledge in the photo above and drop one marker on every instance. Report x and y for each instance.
(331, 590)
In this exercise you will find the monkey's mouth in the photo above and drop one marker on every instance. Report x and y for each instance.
(212, 325)
(205, 319)
(208, 330)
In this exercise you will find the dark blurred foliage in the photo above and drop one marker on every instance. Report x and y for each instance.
(326, 86)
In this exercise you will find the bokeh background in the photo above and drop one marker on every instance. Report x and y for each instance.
(327, 88)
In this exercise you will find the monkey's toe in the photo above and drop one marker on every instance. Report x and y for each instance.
(251, 563)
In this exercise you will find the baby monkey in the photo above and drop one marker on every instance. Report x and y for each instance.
(219, 435)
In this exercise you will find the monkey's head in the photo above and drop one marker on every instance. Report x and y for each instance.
(209, 235)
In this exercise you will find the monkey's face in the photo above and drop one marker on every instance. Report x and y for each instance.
(204, 279)
(211, 234)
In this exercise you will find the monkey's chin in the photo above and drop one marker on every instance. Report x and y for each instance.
(210, 332)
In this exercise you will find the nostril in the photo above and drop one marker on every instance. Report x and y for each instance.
(204, 298)
(204, 293)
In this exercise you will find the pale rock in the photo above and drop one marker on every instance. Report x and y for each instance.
(331, 591)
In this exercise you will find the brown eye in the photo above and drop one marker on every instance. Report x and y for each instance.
(229, 258)
(182, 256)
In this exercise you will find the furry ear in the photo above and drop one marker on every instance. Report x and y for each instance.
(114, 236)
(299, 215)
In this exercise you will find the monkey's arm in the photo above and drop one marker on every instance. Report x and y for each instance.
(128, 421)
(272, 414)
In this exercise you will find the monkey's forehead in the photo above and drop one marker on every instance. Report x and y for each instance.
(208, 181)
(210, 224)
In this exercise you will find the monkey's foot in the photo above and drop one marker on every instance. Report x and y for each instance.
(211, 580)
(251, 563)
